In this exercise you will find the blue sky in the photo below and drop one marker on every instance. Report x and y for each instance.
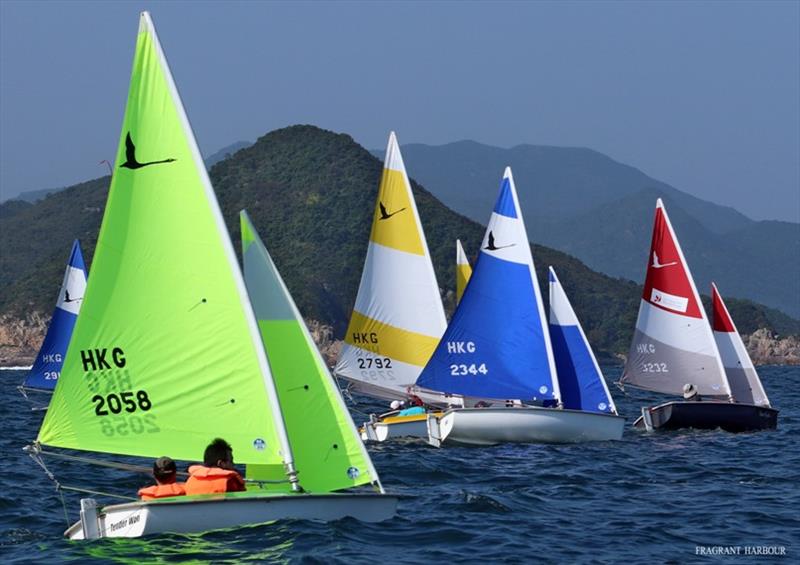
(702, 95)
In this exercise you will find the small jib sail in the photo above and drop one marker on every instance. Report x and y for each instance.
(742, 375)
(323, 438)
(44, 374)
(398, 316)
(497, 344)
(463, 271)
(672, 344)
(166, 354)
(579, 377)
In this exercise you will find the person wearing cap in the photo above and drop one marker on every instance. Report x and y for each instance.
(690, 393)
(217, 473)
(165, 473)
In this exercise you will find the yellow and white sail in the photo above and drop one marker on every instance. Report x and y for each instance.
(463, 271)
(398, 317)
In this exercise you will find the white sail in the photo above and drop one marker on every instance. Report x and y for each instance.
(398, 317)
(672, 344)
(742, 375)
(463, 271)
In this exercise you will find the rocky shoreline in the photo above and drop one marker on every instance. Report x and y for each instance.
(20, 339)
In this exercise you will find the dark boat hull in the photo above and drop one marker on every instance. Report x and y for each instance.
(708, 415)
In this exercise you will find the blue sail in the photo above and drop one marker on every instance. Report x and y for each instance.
(497, 345)
(579, 376)
(47, 366)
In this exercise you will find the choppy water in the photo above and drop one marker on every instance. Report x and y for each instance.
(648, 498)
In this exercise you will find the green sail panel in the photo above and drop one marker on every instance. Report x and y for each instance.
(166, 354)
(327, 451)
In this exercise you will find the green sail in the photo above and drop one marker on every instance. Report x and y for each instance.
(166, 354)
(327, 450)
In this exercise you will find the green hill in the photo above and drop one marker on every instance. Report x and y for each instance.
(311, 195)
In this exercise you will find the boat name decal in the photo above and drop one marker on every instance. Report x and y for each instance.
(131, 520)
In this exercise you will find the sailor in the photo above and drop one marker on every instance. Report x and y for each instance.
(217, 473)
(690, 393)
(165, 473)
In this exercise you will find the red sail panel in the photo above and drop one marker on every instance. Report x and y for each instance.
(721, 320)
(668, 284)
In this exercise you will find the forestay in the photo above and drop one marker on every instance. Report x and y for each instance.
(398, 316)
(49, 361)
(166, 354)
(497, 344)
(324, 440)
(672, 344)
(579, 377)
(742, 375)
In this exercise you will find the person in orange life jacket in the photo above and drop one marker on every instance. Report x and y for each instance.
(217, 473)
(165, 474)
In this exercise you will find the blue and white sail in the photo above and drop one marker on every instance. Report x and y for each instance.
(497, 344)
(47, 366)
(579, 377)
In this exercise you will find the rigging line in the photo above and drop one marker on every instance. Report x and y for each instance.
(98, 493)
(100, 463)
(34, 454)
(125, 466)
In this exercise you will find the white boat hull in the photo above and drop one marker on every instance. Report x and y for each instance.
(490, 426)
(212, 512)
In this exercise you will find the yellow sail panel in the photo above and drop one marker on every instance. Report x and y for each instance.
(395, 224)
(389, 342)
(463, 271)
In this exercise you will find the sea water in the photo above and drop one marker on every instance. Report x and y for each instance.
(685, 496)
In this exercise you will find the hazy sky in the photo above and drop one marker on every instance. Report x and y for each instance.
(702, 95)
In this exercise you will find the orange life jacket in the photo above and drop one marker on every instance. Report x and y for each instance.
(162, 491)
(209, 480)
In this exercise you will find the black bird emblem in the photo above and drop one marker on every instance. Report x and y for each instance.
(493, 247)
(68, 299)
(384, 214)
(130, 156)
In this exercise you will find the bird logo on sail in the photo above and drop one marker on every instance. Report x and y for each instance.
(657, 265)
(384, 214)
(130, 156)
(68, 299)
(492, 247)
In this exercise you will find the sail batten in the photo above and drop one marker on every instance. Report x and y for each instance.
(166, 354)
(673, 344)
(398, 316)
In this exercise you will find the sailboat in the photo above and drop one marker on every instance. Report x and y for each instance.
(43, 376)
(170, 353)
(675, 352)
(398, 316)
(497, 354)
(463, 271)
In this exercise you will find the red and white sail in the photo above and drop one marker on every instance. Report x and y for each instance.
(742, 375)
(673, 344)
